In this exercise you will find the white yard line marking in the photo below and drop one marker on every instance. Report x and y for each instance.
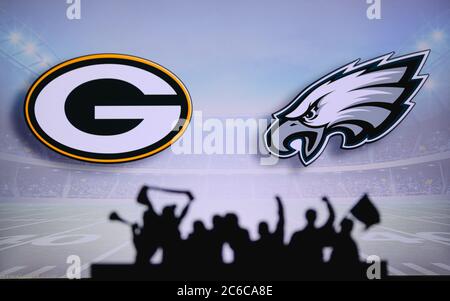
(430, 214)
(419, 269)
(38, 272)
(22, 207)
(436, 208)
(54, 234)
(45, 221)
(394, 271)
(11, 270)
(26, 215)
(102, 256)
(390, 268)
(417, 236)
(20, 219)
(4, 211)
(105, 255)
(416, 219)
(442, 265)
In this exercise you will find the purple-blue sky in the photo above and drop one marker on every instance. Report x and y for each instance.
(244, 57)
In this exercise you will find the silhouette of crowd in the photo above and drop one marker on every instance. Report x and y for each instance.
(200, 255)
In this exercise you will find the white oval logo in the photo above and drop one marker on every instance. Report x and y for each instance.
(108, 108)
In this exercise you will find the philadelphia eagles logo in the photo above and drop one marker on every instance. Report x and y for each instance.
(362, 102)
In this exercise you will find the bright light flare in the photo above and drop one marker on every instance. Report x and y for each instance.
(46, 61)
(30, 48)
(15, 38)
(430, 84)
(423, 45)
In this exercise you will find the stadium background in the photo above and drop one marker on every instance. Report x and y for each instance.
(238, 60)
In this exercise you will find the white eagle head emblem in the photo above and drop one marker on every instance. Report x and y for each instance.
(361, 102)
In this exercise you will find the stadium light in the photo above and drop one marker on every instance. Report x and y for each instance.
(46, 61)
(30, 48)
(430, 84)
(423, 45)
(437, 35)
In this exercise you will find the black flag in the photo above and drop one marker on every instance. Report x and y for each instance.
(366, 212)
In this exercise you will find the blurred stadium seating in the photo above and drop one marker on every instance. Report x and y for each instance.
(406, 162)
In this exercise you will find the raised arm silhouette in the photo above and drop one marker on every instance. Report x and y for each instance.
(171, 239)
(268, 250)
(306, 246)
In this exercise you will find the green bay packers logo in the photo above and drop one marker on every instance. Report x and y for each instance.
(108, 108)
